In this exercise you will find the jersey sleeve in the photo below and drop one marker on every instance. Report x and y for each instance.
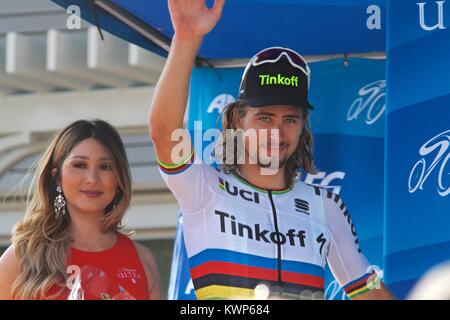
(345, 259)
(189, 183)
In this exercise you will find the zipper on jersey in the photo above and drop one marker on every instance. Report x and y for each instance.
(275, 221)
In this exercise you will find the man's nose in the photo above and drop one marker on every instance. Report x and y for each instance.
(279, 126)
(275, 135)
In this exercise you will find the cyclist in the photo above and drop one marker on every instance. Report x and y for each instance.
(242, 226)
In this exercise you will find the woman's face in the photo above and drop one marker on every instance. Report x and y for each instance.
(87, 178)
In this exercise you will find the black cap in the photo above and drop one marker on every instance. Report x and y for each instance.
(272, 83)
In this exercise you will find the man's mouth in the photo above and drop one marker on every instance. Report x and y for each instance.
(275, 146)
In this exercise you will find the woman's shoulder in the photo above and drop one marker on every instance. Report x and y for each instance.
(9, 261)
(151, 268)
(145, 254)
(9, 271)
(8, 254)
(127, 239)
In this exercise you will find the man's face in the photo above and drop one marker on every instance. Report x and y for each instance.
(286, 120)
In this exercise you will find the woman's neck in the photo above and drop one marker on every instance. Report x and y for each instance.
(87, 232)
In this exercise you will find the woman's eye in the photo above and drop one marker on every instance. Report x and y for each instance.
(79, 165)
(106, 166)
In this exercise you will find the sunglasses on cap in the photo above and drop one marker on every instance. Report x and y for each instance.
(274, 54)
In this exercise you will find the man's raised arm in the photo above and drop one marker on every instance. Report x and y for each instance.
(191, 20)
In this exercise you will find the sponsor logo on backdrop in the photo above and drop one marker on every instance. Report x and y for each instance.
(440, 16)
(220, 102)
(322, 179)
(335, 292)
(435, 158)
(189, 288)
(371, 100)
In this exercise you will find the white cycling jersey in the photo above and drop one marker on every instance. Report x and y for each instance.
(238, 236)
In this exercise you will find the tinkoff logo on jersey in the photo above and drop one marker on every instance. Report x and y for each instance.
(267, 80)
(228, 223)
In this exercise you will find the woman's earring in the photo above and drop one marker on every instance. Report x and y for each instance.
(59, 204)
(116, 201)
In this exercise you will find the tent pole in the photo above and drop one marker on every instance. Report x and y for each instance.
(145, 30)
(237, 63)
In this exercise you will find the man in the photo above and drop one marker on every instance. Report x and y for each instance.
(244, 226)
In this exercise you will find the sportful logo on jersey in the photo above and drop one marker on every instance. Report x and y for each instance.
(235, 191)
(220, 102)
(301, 206)
(440, 146)
(228, 224)
(267, 79)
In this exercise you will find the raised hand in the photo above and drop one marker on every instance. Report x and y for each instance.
(192, 18)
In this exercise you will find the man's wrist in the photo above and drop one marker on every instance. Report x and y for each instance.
(187, 39)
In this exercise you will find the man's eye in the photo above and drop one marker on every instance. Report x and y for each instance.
(291, 121)
(264, 119)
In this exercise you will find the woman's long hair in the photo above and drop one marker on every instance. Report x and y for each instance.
(41, 240)
(300, 161)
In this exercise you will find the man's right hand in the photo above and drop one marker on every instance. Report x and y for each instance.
(192, 18)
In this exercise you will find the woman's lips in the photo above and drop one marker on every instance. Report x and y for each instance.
(91, 193)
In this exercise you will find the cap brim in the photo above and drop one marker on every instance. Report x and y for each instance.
(265, 101)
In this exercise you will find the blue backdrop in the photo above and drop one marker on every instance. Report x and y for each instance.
(417, 142)
(348, 127)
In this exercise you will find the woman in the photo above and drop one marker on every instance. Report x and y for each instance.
(69, 244)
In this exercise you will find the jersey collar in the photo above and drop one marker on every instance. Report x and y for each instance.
(274, 191)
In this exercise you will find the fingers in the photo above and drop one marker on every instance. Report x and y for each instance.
(216, 9)
(218, 6)
(193, 16)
